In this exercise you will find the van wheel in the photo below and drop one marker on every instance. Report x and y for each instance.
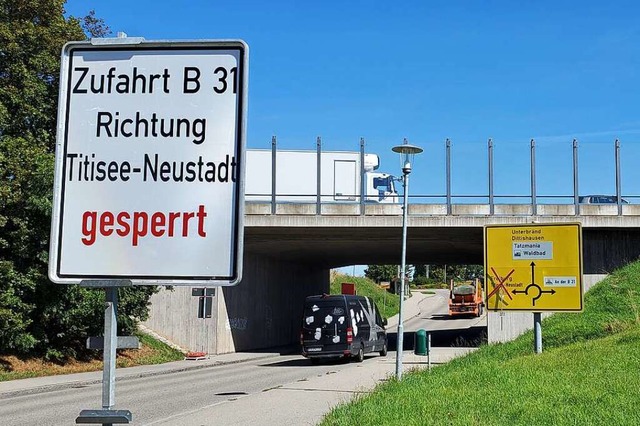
(360, 354)
(383, 352)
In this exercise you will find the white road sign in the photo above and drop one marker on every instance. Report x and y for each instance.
(533, 250)
(149, 163)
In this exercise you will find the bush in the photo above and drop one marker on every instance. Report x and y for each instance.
(424, 282)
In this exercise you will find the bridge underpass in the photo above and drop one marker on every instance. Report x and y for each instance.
(335, 247)
(288, 257)
(335, 241)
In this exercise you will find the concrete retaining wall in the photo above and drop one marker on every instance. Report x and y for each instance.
(506, 326)
(263, 310)
(173, 314)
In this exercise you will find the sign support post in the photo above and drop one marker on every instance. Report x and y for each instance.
(537, 332)
(108, 416)
(429, 350)
(110, 338)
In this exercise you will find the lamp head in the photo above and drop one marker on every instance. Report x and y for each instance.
(407, 152)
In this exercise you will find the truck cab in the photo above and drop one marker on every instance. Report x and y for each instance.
(380, 188)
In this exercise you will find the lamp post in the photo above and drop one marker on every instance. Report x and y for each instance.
(407, 152)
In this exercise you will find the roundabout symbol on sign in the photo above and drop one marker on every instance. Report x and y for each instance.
(533, 285)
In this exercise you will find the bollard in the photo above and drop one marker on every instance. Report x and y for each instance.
(420, 346)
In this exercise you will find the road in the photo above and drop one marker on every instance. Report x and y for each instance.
(434, 316)
(278, 390)
(160, 398)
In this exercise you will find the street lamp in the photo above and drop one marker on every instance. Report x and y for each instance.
(407, 152)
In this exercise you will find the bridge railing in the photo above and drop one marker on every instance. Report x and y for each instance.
(448, 203)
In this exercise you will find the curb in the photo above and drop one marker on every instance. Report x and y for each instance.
(83, 383)
(426, 296)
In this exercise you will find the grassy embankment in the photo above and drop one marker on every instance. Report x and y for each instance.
(152, 352)
(588, 374)
(388, 303)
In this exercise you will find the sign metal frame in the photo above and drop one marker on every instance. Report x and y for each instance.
(540, 282)
(236, 212)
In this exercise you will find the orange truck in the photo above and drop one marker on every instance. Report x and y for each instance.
(466, 299)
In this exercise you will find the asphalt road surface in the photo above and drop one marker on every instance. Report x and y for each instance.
(463, 330)
(274, 391)
(434, 315)
(162, 397)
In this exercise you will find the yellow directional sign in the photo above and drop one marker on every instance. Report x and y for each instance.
(536, 267)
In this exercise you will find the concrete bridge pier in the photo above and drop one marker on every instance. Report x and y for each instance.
(263, 310)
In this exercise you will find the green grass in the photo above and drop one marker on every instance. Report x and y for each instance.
(158, 352)
(387, 303)
(589, 374)
(152, 352)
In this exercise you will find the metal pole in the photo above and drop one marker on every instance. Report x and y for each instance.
(107, 416)
(110, 343)
(448, 159)
(363, 182)
(537, 331)
(618, 182)
(534, 206)
(402, 277)
(204, 319)
(491, 209)
(319, 176)
(576, 197)
(206, 331)
(273, 175)
(429, 350)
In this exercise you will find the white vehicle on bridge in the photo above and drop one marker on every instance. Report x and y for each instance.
(297, 179)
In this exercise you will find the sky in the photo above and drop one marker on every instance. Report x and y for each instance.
(428, 71)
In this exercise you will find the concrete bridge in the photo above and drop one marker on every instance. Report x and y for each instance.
(341, 236)
(290, 249)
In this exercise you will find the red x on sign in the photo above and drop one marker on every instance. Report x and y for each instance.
(501, 285)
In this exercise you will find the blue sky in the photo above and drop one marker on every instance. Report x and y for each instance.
(427, 71)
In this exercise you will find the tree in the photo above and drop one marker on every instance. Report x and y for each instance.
(379, 273)
(474, 271)
(35, 314)
(444, 273)
(95, 27)
(420, 271)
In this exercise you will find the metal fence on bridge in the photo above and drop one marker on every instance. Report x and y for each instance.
(447, 203)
